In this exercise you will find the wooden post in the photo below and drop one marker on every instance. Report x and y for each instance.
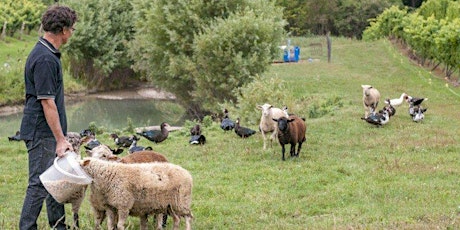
(328, 39)
(4, 30)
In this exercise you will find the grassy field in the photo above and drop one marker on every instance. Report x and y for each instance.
(350, 175)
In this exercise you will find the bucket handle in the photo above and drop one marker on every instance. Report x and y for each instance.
(64, 172)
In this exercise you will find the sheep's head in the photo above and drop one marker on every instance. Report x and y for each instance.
(282, 123)
(265, 109)
(100, 152)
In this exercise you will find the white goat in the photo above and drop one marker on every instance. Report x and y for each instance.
(267, 125)
(371, 97)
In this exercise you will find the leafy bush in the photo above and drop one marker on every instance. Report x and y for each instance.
(202, 51)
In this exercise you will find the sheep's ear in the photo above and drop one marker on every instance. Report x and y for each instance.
(88, 151)
(290, 120)
(275, 120)
(112, 158)
(85, 162)
(259, 106)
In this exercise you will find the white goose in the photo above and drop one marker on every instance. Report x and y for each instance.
(398, 101)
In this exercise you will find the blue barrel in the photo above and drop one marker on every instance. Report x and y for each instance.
(286, 55)
(296, 53)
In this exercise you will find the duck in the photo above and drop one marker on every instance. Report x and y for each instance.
(241, 131)
(197, 140)
(195, 130)
(418, 114)
(378, 119)
(123, 141)
(16, 137)
(86, 132)
(135, 148)
(389, 107)
(415, 100)
(226, 124)
(91, 143)
(156, 136)
(397, 101)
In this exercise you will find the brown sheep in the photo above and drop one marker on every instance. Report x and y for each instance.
(291, 130)
(371, 97)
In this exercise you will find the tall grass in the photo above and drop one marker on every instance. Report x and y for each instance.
(350, 175)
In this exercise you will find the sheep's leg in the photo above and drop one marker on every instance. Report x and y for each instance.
(298, 149)
(176, 219)
(159, 220)
(282, 151)
(76, 224)
(188, 225)
(99, 217)
(263, 136)
(122, 216)
(292, 151)
(164, 220)
(110, 219)
(274, 137)
(144, 222)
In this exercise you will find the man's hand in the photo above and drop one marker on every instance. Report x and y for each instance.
(62, 147)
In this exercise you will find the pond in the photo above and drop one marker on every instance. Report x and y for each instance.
(110, 114)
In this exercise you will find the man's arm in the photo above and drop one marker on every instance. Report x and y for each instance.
(52, 118)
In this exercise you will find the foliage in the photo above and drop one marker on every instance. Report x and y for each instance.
(97, 50)
(340, 17)
(388, 23)
(14, 14)
(431, 32)
(201, 51)
(436, 9)
(264, 89)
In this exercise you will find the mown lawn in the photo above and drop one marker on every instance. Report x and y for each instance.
(350, 175)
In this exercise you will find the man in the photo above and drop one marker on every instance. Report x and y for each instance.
(44, 124)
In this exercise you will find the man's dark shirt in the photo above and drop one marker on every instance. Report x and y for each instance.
(43, 80)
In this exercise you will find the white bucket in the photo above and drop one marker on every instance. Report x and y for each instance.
(65, 178)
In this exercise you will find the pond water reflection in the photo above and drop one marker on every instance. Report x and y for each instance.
(110, 114)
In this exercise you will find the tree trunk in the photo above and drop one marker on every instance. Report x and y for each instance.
(22, 30)
(4, 30)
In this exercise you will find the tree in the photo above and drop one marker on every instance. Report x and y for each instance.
(203, 50)
(98, 50)
(340, 17)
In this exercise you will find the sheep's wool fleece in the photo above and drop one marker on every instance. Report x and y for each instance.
(141, 186)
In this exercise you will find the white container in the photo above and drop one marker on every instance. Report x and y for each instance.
(65, 178)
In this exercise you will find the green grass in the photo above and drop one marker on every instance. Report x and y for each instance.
(350, 175)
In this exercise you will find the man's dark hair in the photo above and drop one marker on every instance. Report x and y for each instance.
(56, 18)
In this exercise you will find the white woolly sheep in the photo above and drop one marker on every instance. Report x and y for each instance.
(103, 152)
(291, 130)
(267, 125)
(371, 97)
(141, 189)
